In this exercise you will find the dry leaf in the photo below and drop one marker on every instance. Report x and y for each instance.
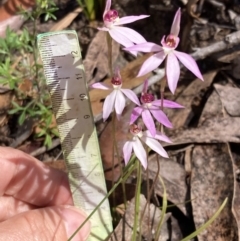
(236, 197)
(212, 108)
(174, 177)
(211, 182)
(5, 104)
(218, 129)
(188, 98)
(106, 143)
(96, 61)
(66, 21)
(124, 229)
(230, 98)
(26, 87)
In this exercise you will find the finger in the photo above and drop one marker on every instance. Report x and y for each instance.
(10, 206)
(51, 223)
(27, 179)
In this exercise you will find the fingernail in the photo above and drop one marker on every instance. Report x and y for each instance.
(73, 218)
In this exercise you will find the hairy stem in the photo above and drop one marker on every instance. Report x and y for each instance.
(137, 201)
(109, 44)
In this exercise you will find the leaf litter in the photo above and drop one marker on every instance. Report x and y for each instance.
(204, 165)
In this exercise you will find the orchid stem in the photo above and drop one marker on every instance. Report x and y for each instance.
(109, 44)
(163, 85)
(115, 148)
(137, 201)
(130, 168)
(113, 156)
(151, 189)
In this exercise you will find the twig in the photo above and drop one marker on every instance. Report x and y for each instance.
(43, 149)
(228, 42)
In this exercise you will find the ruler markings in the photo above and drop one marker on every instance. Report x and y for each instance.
(63, 69)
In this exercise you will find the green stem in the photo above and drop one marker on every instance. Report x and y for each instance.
(151, 189)
(35, 55)
(109, 44)
(129, 169)
(137, 202)
(164, 209)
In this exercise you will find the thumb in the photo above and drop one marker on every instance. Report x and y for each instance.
(51, 223)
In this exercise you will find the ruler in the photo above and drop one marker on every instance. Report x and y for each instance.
(64, 72)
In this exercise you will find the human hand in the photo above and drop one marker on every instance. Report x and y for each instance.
(35, 201)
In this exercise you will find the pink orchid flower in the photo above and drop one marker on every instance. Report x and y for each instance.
(125, 36)
(151, 107)
(167, 51)
(116, 98)
(135, 144)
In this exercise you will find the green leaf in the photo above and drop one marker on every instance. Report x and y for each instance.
(13, 111)
(41, 133)
(22, 118)
(17, 106)
(206, 225)
(55, 132)
(48, 141)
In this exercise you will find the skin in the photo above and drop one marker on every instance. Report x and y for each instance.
(10, 8)
(35, 201)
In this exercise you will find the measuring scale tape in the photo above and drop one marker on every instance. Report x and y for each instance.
(64, 72)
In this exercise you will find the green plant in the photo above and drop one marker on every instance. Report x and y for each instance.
(20, 66)
(91, 8)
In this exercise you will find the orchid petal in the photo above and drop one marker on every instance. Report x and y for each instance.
(120, 102)
(140, 152)
(148, 121)
(108, 104)
(162, 137)
(159, 136)
(161, 117)
(130, 19)
(155, 146)
(131, 95)
(167, 104)
(118, 37)
(145, 47)
(107, 7)
(189, 63)
(137, 111)
(172, 71)
(127, 151)
(152, 63)
(176, 23)
(100, 86)
(123, 40)
(131, 34)
(103, 29)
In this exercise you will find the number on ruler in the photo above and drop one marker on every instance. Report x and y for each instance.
(78, 76)
(83, 96)
(74, 53)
